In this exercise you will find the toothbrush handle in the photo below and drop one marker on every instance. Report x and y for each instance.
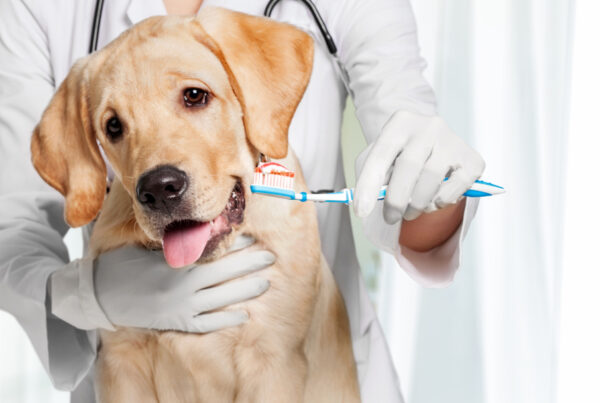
(483, 189)
(478, 189)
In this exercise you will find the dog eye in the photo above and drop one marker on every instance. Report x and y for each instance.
(114, 129)
(193, 97)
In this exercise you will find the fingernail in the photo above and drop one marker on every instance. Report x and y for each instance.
(262, 286)
(411, 213)
(247, 239)
(363, 209)
(439, 203)
(268, 257)
(392, 216)
(243, 241)
(243, 316)
(431, 207)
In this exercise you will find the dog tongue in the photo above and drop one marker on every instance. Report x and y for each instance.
(183, 246)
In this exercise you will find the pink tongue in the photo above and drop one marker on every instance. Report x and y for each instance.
(184, 246)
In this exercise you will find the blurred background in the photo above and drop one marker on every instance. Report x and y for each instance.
(519, 80)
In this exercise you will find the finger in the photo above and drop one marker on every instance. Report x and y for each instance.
(373, 175)
(242, 241)
(407, 169)
(426, 188)
(461, 179)
(452, 189)
(431, 207)
(210, 322)
(229, 293)
(132, 254)
(227, 268)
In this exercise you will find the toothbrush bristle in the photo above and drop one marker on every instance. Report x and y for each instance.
(274, 175)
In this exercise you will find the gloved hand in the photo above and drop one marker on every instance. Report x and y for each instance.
(134, 287)
(418, 152)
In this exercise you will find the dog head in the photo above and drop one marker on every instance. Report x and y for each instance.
(182, 108)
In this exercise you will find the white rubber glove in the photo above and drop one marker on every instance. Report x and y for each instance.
(413, 155)
(134, 287)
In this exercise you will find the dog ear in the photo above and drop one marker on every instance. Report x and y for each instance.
(269, 65)
(65, 153)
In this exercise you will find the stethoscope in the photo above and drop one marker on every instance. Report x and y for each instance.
(267, 13)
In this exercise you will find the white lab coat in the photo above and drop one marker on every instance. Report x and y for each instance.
(377, 45)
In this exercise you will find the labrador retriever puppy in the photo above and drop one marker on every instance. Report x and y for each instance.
(184, 108)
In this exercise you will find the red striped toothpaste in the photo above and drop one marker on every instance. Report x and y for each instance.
(274, 175)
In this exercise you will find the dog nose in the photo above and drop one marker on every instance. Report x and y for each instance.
(162, 188)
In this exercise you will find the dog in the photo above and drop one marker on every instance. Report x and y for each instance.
(198, 101)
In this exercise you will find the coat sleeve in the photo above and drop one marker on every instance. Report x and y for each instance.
(31, 213)
(378, 48)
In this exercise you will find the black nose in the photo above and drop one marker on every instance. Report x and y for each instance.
(162, 188)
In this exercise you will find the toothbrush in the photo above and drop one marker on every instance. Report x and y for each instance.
(273, 179)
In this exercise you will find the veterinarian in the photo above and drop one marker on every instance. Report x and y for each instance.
(377, 48)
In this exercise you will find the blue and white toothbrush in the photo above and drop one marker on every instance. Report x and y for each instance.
(273, 179)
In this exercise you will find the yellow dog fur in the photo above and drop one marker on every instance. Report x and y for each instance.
(296, 346)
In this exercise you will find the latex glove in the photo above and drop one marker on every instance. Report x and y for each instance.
(413, 155)
(134, 287)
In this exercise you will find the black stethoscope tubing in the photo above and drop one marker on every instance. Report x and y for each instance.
(316, 16)
(96, 26)
(267, 13)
